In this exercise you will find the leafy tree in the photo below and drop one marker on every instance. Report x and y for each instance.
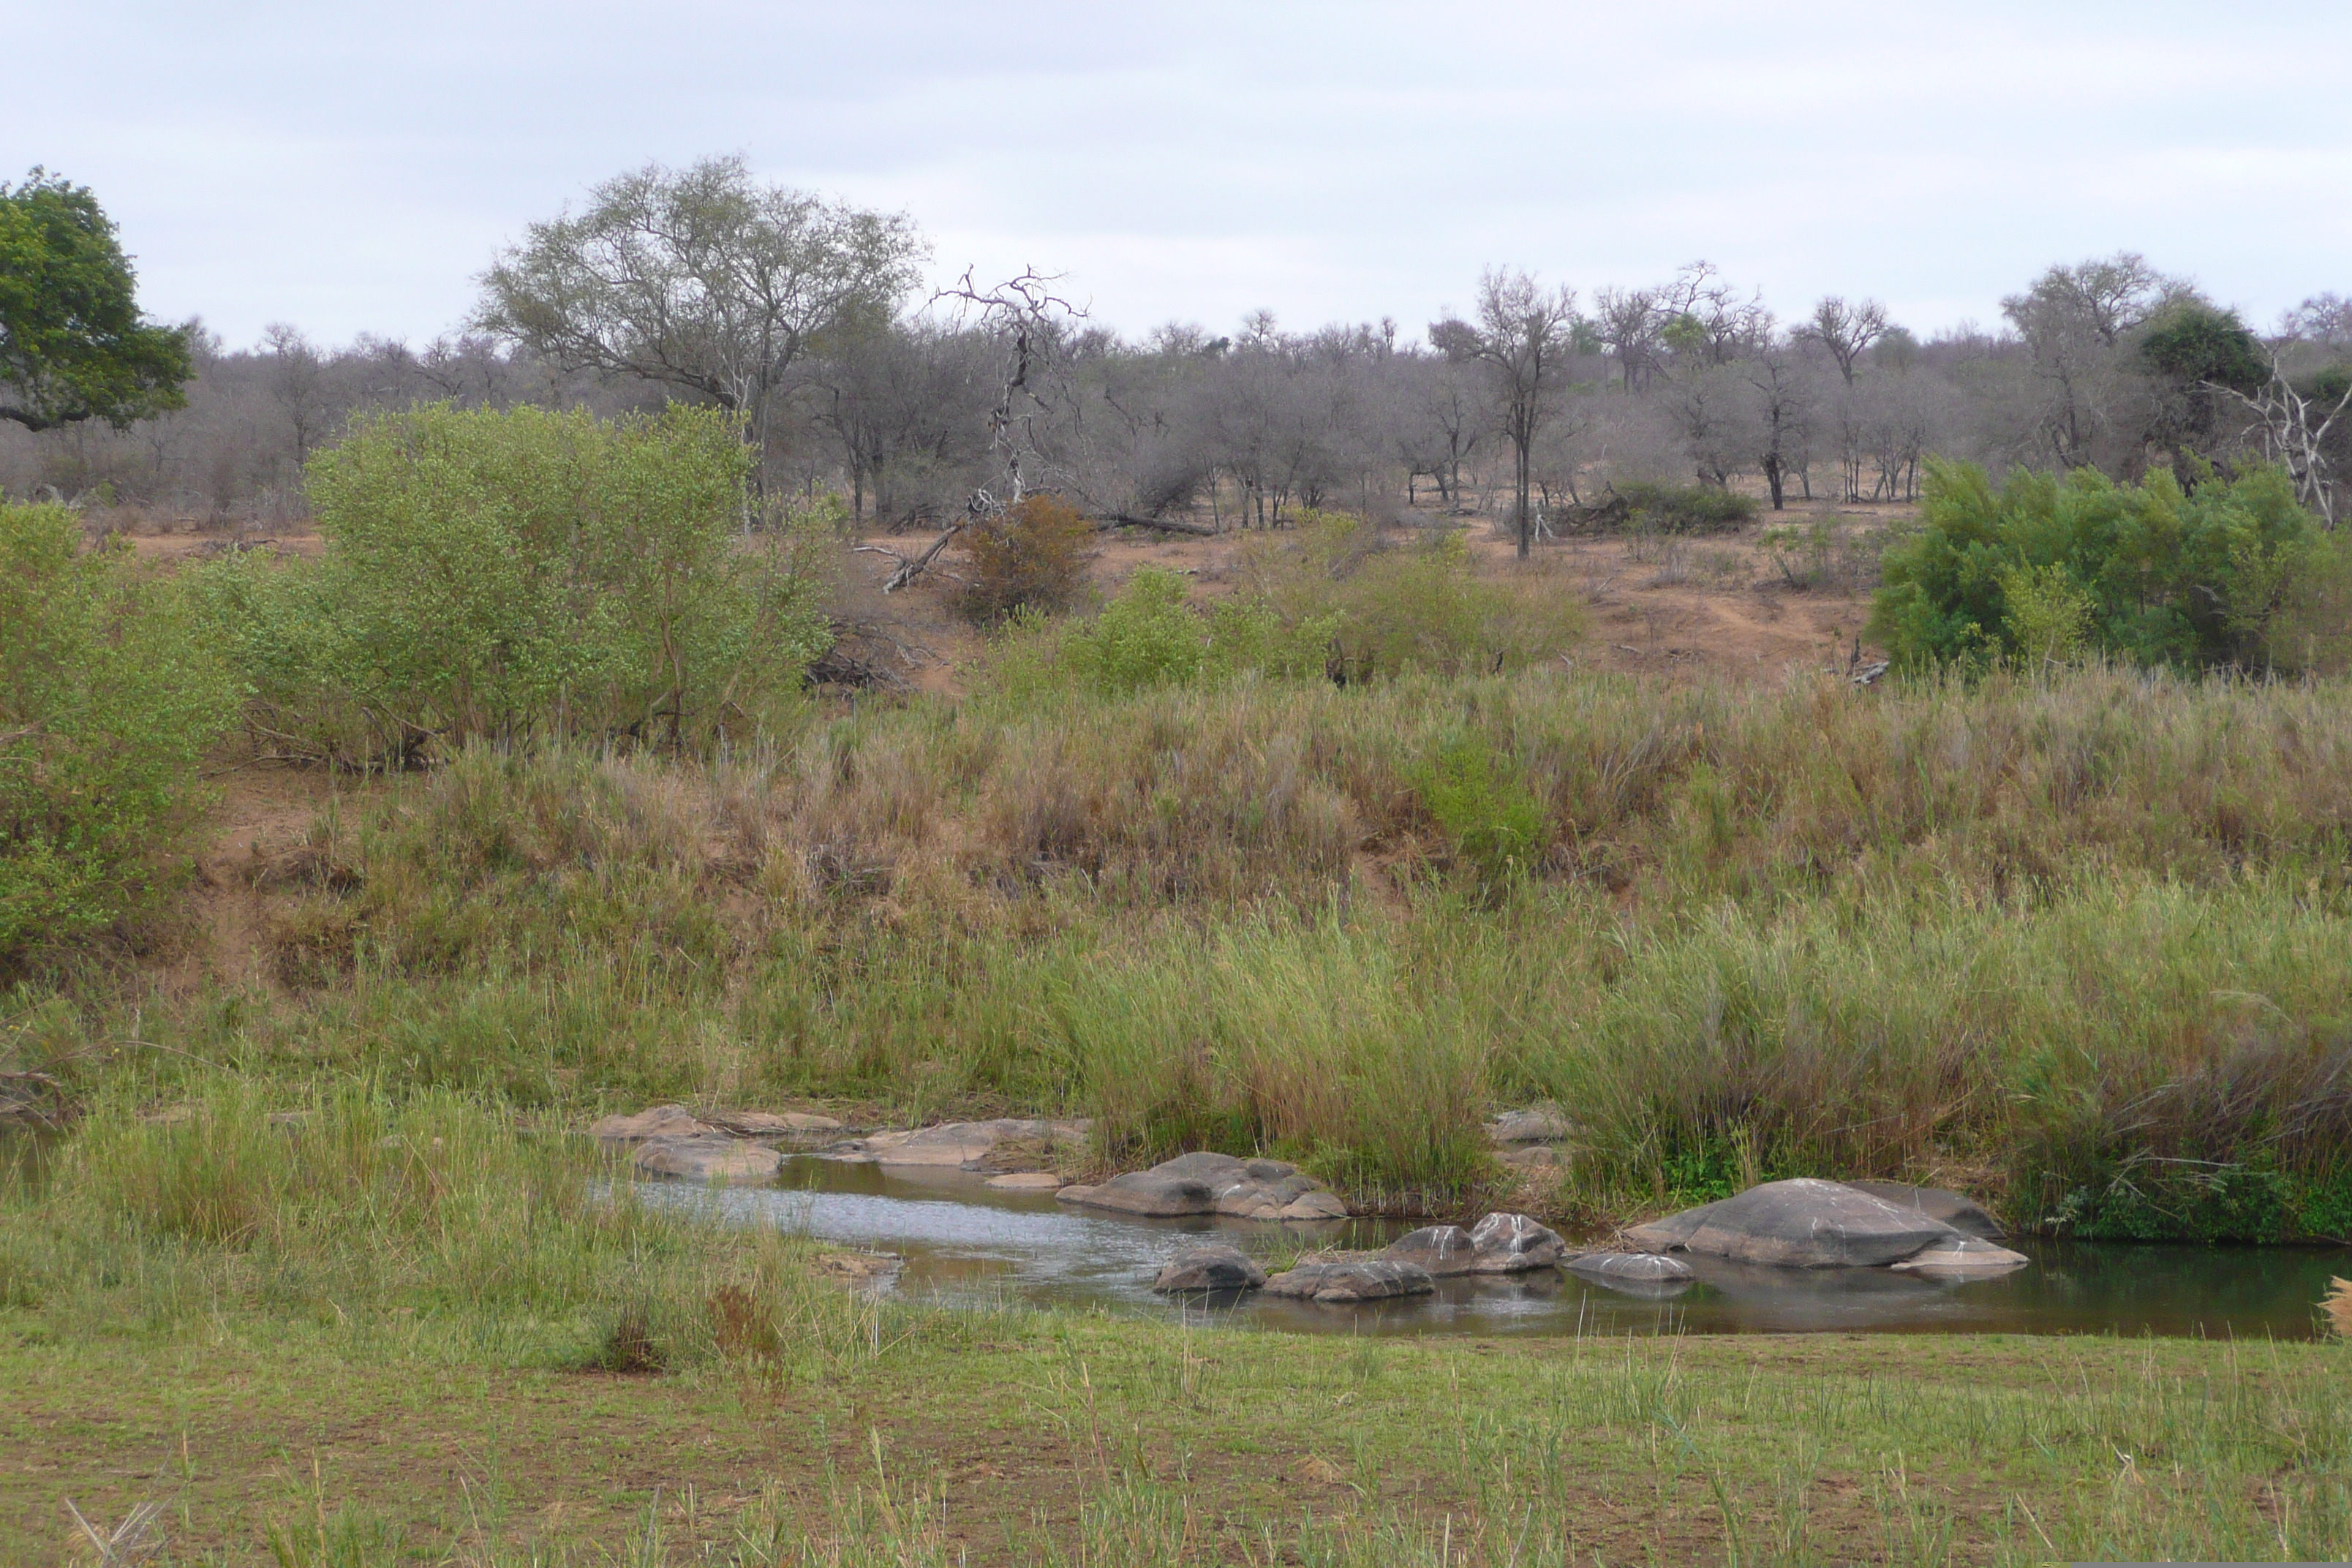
(72, 343)
(701, 278)
(2147, 573)
(106, 705)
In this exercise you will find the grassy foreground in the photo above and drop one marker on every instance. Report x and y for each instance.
(373, 1334)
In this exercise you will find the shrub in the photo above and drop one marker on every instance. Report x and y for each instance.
(498, 575)
(1682, 509)
(1494, 821)
(1413, 607)
(106, 704)
(1147, 636)
(1032, 557)
(2147, 573)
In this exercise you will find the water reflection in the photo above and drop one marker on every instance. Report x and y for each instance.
(963, 1242)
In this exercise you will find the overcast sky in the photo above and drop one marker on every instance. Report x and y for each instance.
(352, 167)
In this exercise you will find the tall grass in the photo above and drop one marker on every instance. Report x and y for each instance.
(431, 1214)
(2081, 942)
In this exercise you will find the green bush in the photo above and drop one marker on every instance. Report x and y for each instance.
(1682, 509)
(1418, 607)
(1496, 824)
(106, 704)
(1147, 636)
(2149, 573)
(498, 575)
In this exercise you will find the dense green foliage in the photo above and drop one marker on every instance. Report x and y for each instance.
(2143, 572)
(72, 343)
(502, 575)
(106, 705)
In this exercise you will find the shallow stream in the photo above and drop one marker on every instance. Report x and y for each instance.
(963, 1241)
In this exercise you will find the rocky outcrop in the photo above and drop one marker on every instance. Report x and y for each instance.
(661, 1121)
(1629, 1268)
(1027, 1182)
(1202, 1183)
(958, 1145)
(1798, 1224)
(1209, 1269)
(1961, 1258)
(1964, 1215)
(1352, 1280)
(708, 1157)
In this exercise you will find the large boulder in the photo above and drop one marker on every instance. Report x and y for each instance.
(1798, 1224)
(1962, 1214)
(1205, 1182)
(1352, 1280)
(1209, 1269)
(707, 1157)
(661, 1121)
(1515, 1244)
(1634, 1267)
(1439, 1248)
(1961, 1258)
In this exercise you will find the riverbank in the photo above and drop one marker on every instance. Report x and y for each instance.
(360, 1331)
(2081, 947)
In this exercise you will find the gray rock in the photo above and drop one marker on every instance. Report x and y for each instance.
(1636, 1268)
(1027, 1182)
(1209, 1269)
(1668, 1234)
(792, 1125)
(1439, 1248)
(1535, 1159)
(1963, 1214)
(1535, 1124)
(1354, 1280)
(1961, 1258)
(707, 1157)
(1514, 1244)
(1205, 1182)
(1800, 1224)
(659, 1121)
(958, 1145)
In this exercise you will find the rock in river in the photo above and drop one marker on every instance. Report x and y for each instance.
(1498, 1244)
(1638, 1268)
(661, 1121)
(1354, 1280)
(960, 1146)
(708, 1157)
(1961, 1258)
(1962, 1214)
(1798, 1224)
(1209, 1269)
(1213, 1183)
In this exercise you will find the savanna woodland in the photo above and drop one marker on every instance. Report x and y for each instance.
(729, 673)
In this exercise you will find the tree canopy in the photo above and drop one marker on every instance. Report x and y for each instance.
(73, 345)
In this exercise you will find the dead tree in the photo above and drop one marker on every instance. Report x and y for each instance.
(2294, 430)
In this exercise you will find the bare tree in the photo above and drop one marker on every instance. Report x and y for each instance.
(701, 278)
(1523, 332)
(1782, 418)
(1845, 330)
(1627, 322)
(298, 383)
(2292, 428)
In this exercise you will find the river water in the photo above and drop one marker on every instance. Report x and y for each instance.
(961, 1242)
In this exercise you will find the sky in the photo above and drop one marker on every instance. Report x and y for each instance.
(355, 167)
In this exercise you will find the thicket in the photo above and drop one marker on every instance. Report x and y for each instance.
(517, 575)
(2042, 569)
(1033, 556)
(107, 703)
